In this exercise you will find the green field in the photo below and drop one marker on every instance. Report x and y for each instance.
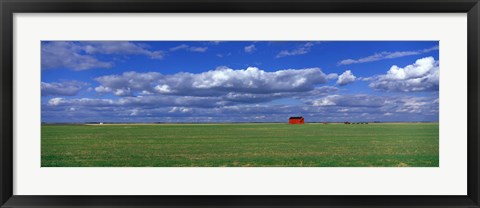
(241, 145)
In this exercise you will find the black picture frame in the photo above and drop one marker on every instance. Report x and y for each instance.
(9, 7)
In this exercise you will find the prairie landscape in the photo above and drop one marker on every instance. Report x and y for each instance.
(240, 103)
(241, 145)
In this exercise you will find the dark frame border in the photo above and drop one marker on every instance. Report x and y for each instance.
(9, 7)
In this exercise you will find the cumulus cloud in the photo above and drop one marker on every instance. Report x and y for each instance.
(67, 88)
(423, 75)
(346, 78)
(218, 82)
(302, 49)
(386, 55)
(79, 55)
(250, 48)
(332, 76)
(128, 83)
(189, 48)
(251, 80)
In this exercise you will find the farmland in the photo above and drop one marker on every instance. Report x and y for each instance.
(241, 145)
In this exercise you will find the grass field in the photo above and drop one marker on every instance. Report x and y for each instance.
(232, 145)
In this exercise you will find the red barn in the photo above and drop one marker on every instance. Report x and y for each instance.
(296, 120)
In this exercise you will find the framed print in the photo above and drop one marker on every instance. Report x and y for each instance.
(239, 104)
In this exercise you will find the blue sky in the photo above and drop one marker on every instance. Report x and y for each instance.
(239, 81)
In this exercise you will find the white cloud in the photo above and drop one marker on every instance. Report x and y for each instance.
(303, 49)
(179, 47)
(135, 112)
(250, 48)
(252, 98)
(332, 76)
(386, 55)
(68, 88)
(346, 78)
(180, 110)
(423, 75)
(198, 49)
(326, 101)
(356, 100)
(120, 48)
(373, 107)
(79, 55)
(250, 80)
(163, 89)
(80, 102)
(127, 83)
(69, 55)
(170, 108)
(144, 102)
(221, 55)
(55, 101)
(189, 48)
(415, 105)
(315, 93)
(220, 81)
